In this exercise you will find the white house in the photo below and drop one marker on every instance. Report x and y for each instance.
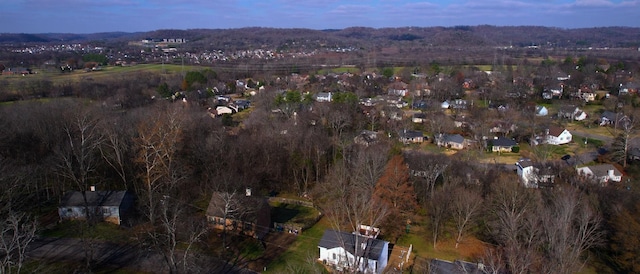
(541, 111)
(602, 174)
(532, 176)
(324, 97)
(558, 136)
(353, 252)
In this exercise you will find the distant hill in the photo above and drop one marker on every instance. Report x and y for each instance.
(459, 36)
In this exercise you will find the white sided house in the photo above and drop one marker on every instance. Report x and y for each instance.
(532, 176)
(602, 174)
(558, 136)
(353, 252)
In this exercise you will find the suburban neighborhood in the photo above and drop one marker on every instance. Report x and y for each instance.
(304, 151)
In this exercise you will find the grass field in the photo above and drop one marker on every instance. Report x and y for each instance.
(78, 75)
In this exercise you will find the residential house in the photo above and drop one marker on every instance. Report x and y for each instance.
(502, 144)
(453, 141)
(109, 206)
(324, 97)
(222, 110)
(541, 111)
(533, 176)
(503, 128)
(419, 118)
(628, 88)
(366, 138)
(558, 136)
(609, 118)
(398, 88)
(244, 214)
(411, 136)
(634, 154)
(420, 104)
(353, 252)
(16, 71)
(459, 104)
(572, 112)
(586, 94)
(603, 173)
(242, 104)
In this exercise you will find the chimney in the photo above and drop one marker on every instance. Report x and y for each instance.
(92, 188)
(247, 192)
(610, 173)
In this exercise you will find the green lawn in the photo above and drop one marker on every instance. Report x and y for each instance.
(301, 255)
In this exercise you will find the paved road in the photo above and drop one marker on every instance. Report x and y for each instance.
(117, 256)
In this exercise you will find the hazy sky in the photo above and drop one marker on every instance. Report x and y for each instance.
(88, 16)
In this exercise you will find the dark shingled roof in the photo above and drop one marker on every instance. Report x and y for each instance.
(453, 138)
(348, 241)
(94, 198)
(503, 142)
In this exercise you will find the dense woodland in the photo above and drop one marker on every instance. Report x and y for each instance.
(127, 132)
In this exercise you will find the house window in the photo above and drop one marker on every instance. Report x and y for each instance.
(334, 256)
(69, 210)
(106, 211)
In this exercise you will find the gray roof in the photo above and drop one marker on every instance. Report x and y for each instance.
(94, 198)
(503, 142)
(525, 162)
(453, 138)
(348, 241)
(410, 134)
(603, 170)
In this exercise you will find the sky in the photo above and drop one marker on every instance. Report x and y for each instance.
(91, 16)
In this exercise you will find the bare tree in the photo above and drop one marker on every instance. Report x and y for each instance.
(572, 227)
(157, 146)
(175, 234)
(465, 205)
(515, 224)
(427, 169)
(78, 154)
(17, 230)
(438, 213)
(115, 150)
(347, 196)
(622, 143)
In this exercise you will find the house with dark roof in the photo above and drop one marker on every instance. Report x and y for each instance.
(353, 252)
(410, 136)
(611, 118)
(453, 141)
(240, 213)
(601, 174)
(502, 144)
(109, 206)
